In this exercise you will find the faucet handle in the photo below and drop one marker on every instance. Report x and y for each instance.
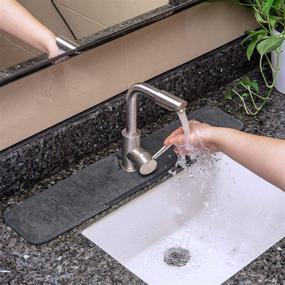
(65, 44)
(143, 160)
(161, 151)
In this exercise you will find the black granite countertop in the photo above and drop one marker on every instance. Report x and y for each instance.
(72, 259)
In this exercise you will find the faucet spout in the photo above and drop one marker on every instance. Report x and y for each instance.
(162, 98)
(134, 157)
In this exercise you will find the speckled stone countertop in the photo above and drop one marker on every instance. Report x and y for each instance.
(72, 259)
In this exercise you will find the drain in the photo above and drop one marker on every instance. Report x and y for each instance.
(176, 256)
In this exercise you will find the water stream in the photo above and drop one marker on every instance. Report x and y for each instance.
(185, 125)
(201, 161)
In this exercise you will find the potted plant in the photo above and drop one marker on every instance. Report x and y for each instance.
(268, 40)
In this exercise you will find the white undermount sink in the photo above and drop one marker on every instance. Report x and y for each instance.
(225, 218)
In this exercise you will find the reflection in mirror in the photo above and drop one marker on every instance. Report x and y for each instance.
(28, 28)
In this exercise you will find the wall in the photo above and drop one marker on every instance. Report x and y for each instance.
(90, 16)
(44, 11)
(13, 50)
(49, 96)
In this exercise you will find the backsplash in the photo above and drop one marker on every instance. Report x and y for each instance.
(34, 159)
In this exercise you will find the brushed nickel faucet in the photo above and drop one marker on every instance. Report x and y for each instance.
(134, 157)
(65, 44)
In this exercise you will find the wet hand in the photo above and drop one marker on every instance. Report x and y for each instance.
(202, 136)
(51, 48)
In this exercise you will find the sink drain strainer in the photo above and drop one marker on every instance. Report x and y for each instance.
(176, 256)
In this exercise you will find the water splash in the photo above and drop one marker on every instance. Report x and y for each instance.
(201, 168)
(203, 160)
(198, 164)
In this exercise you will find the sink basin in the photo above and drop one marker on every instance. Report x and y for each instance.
(223, 214)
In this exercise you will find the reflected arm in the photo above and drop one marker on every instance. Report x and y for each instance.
(18, 21)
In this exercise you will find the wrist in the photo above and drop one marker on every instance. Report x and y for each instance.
(223, 137)
(50, 46)
(53, 49)
(215, 137)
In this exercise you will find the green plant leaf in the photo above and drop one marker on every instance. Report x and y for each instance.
(244, 80)
(254, 85)
(270, 14)
(251, 84)
(255, 39)
(267, 5)
(273, 21)
(270, 44)
(228, 95)
(278, 5)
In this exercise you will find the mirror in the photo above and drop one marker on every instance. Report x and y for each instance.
(28, 28)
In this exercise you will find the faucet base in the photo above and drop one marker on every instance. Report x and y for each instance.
(134, 157)
(129, 143)
(130, 170)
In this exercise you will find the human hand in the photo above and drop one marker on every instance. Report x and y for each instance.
(50, 46)
(53, 52)
(19, 22)
(202, 136)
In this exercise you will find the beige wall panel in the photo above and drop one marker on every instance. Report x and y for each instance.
(107, 12)
(199, 30)
(47, 97)
(44, 11)
(81, 25)
(111, 12)
(12, 53)
(44, 98)
(139, 7)
(20, 43)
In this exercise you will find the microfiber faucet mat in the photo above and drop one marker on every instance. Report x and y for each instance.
(99, 186)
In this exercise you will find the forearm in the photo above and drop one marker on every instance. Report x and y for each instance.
(264, 156)
(17, 21)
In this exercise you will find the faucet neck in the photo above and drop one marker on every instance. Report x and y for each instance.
(162, 98)
(131, 107)
(131, 110)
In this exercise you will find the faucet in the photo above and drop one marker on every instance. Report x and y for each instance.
(134, 157)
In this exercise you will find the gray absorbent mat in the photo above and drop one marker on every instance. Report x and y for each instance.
(96, 188)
